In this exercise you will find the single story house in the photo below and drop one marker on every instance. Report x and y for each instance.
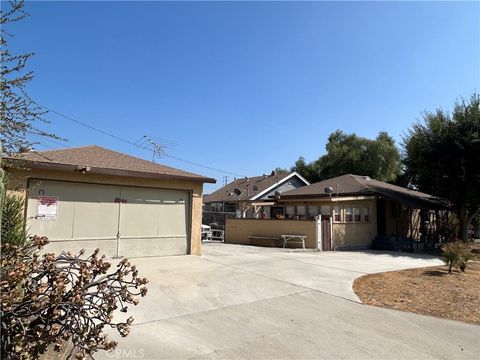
(361, 208)
(254, 197)
(91, 197)
(354, 211)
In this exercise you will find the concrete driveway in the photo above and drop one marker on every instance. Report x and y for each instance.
(240, 302)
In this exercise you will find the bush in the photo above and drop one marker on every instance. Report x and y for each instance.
(49, 300)
(13, 221)
(456, 254)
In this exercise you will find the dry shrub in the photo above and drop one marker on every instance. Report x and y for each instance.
(456, 254)
(48, 300)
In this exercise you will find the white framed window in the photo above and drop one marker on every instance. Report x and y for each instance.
(348, 214)
(356, 215)
(337, 215)
(366, 214)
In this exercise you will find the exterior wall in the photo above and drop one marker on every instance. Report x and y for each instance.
(349, 234)
(18, 182)
(238, 230)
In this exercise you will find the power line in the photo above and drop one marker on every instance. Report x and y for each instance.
(48, 140)
(204, 166)
(136, 144)
(87, 125)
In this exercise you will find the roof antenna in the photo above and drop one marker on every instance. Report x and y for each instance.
(157, 149)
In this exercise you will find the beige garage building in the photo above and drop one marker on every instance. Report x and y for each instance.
(91, 197)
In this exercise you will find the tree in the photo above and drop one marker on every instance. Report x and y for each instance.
(441, 156)
(19, 114)
(351, 154)
(309, 171)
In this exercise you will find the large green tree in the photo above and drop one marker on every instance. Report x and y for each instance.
(442, 157)
(352, 154)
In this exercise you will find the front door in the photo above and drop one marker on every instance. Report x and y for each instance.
(381, 221)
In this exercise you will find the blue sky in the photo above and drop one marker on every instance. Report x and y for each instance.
(246, 86)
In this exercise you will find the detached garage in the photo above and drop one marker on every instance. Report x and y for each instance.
(91, 197)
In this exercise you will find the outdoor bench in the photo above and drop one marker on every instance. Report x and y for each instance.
(262, 240)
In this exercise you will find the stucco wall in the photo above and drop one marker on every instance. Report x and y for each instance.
(238, 230)
(18, 181)
(351, 235)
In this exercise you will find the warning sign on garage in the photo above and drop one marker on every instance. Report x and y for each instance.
(47, 207)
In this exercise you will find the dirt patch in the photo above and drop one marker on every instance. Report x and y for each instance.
(428, 291)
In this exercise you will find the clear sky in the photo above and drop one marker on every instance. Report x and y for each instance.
(246, 86)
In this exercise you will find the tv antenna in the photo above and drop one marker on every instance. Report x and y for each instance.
(157, 149)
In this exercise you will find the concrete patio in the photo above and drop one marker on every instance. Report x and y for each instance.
(241, 302)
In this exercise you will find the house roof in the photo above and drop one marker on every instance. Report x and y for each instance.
(251, 187)
(102, 161)
(348, 185)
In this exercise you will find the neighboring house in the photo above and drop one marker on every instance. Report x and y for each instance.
(362, 208)
(254, 197)
(91, 197)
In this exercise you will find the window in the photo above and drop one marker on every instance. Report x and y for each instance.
(337, 215)
(356, 215)
(312, 211)
(366, 214)
(276, 212)
(301, 210)
(290, 212)
(348, 214)
(325, 210)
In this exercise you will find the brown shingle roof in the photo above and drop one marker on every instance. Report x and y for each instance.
(363, 185)
(101, 160)
(246, 186)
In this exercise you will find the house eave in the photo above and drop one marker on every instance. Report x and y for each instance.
(107, 171)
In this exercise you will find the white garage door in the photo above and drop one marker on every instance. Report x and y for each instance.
(121, 221)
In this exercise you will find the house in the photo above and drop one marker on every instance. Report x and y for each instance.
(91, 197)
(355, 210)
(254, 197)
(361, 208)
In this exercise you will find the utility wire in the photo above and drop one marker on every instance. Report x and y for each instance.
(144, 145)
(87, 125)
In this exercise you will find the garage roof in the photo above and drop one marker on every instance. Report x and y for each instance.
(347, 185)
(103, 161)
